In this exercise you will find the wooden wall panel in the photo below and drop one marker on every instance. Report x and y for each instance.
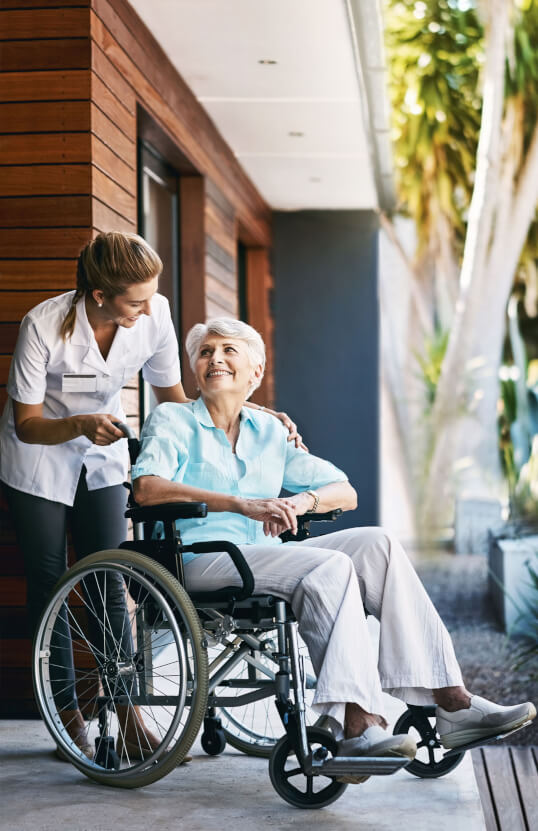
(44, 148)
(44, 116)
(56, 22)
(106, 160)
(44, 211)
(73, 178)
(20, 56)
(45, 219)
(36, 274)
(44, 86)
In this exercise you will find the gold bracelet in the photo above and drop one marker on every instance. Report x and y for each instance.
(315, 497)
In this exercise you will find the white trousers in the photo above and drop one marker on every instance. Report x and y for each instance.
(327, 580)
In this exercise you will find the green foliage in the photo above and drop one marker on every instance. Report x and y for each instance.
(431, 362)
(435, 50)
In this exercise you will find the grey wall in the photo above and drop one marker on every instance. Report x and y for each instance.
(326, 342)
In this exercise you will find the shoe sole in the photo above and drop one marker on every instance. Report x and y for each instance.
(407, 748)
(461, 737)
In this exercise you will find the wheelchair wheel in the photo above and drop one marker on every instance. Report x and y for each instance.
(139, 664)
(255, 728)
(292, 784)
(430, 761)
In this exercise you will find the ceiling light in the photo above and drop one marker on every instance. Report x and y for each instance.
(267, 62)
(295, 133)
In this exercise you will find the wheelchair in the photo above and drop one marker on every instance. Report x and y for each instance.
(182, 660)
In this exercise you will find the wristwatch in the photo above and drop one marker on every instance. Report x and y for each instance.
(315, 497)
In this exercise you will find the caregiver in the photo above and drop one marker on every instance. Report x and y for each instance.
(61, 462)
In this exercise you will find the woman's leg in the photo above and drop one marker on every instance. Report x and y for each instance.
(416, 655)
(322, 588)
(40, 527)
(98, 523)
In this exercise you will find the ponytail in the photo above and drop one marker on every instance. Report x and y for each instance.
(68, 324)
(110, 263)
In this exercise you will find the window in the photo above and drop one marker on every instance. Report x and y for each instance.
(158, 223)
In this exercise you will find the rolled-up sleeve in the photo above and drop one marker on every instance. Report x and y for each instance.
(161, 453)
(27, 381)
(163, 368)
(304, 471)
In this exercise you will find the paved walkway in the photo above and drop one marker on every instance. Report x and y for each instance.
(40, 793)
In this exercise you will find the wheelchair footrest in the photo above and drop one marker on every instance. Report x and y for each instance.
(375, 765)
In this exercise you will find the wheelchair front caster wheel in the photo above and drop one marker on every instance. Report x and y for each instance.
(213, 742)
(105, 754)
(430, 761)
(292, 784)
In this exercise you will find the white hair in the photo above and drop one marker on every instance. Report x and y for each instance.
(230, 328)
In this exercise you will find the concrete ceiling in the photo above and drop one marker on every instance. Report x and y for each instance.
(303, 128)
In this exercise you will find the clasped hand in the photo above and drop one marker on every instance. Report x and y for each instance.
(278, 514)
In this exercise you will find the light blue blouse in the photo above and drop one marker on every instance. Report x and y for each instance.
(180, 443)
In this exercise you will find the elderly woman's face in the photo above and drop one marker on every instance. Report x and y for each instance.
(224, 365)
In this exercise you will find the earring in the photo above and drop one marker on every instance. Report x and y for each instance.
(100, 305)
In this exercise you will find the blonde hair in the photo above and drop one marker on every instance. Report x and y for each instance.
(231, 328)
(110, 263)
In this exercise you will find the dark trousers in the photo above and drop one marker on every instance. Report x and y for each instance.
(96, 522)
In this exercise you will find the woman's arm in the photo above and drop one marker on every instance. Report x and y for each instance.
(336, 495)
(154, 490)
(175, 394)
(32, 428)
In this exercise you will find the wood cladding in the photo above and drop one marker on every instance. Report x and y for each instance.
(76, 75)
(45, 219)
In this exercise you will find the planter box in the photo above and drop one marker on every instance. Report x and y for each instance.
(507, 564)
(474, 520)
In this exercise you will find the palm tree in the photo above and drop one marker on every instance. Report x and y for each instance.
(464, 98)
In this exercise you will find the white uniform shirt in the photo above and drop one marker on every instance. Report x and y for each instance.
(72, 378)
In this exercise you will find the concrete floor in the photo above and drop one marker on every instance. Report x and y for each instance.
(40, 793)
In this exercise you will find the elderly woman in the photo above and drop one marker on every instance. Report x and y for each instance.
(237, 460)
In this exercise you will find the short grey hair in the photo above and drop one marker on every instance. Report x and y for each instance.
(230, 328)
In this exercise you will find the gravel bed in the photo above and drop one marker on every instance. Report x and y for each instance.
(457, 584)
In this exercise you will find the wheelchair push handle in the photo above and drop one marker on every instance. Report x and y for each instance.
(133, 443)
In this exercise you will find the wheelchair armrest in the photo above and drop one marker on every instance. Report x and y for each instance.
(303, 524)
(167, 511)
(237, 558)
(328, 516)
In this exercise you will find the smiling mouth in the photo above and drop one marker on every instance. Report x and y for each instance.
(215, 373)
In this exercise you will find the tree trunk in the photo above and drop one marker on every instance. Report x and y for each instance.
(454, 416)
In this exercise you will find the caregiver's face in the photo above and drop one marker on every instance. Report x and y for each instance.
(224, 365)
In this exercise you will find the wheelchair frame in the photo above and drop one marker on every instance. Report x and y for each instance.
(196, 621)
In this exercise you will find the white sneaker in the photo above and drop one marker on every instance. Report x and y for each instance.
(481, 720)
(375, 742)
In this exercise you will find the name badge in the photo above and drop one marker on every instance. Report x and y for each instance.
(78, 383)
